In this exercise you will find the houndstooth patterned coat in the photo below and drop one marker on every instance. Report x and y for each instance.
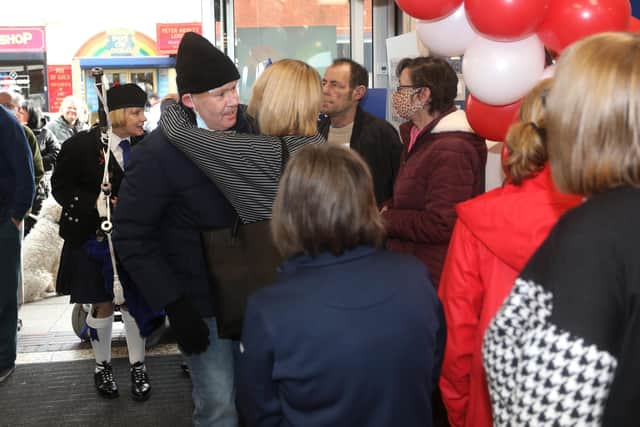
(564, 349)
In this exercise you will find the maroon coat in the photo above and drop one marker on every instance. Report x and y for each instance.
(445, 166)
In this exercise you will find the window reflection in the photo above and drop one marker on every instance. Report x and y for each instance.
(314, 31)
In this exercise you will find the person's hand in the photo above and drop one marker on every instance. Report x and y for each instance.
(191, 332)
(16, 222)
(384, 209)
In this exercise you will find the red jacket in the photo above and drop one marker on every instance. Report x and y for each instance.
(494, 237)
(444, 167)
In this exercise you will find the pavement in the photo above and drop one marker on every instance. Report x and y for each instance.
(47, 335)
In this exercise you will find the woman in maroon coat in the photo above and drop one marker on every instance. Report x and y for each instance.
(442, 163)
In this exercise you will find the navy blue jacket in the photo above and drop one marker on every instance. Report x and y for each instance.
(17, 185)
(163, 203)
(355, 340)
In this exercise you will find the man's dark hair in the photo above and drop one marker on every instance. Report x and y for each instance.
(359, 74)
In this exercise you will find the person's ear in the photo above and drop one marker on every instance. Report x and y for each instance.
(359, 92)
(424, 95)
(187, 101)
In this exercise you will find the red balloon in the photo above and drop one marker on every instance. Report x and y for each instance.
(491, 121)
(506, 20)
(634, 25)
(570, 20)
(428, 9)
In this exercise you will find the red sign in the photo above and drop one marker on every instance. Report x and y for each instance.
(22, 39)
(59, 77)
(168, 36)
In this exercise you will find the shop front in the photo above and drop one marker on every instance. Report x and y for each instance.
(23, 62)
(126, 56)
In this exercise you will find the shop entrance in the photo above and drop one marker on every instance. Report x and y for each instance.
(28, 79)
(147, 79)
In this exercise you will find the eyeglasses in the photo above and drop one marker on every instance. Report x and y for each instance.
(400, 87)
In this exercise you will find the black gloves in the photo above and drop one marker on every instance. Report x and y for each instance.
(192, 333)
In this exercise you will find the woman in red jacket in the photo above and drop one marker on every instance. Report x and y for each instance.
(493, 238)
(442, 162)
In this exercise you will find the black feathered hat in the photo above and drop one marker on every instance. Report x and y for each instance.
(123, 96)
(200, 66)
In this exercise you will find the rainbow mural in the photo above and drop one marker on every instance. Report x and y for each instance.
(118, 43)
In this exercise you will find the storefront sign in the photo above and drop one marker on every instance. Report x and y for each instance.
(118, 42)
(13, 81)
(168, 36)
(59, 77)
(22, 39)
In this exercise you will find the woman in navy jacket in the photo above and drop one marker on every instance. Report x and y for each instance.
(350, 335)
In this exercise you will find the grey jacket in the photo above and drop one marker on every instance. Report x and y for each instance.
(63, 130)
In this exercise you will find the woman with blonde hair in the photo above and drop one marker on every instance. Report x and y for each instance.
(76, 185)
(285, 101)
(493, 238)
(564, 349)
(372, 356)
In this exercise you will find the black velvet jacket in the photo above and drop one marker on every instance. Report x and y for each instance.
(76, 184)
(378, 143)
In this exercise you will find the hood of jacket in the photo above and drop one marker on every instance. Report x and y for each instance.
(453, 120)
(513, 221)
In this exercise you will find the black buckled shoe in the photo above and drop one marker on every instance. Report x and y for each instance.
(105, 383)
(140, 387)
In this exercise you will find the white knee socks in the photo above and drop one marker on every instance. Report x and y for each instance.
(135, 342)
(101, 346)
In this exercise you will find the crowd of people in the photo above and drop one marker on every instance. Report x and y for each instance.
(406, 296)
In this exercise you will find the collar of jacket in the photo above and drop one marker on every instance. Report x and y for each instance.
(244, 122)
(325, 122)
(324, 259)
(405, 128)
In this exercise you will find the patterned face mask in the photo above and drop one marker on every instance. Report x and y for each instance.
(403, 105)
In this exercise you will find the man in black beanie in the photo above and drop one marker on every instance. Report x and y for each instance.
(207, 82)
(164, 202)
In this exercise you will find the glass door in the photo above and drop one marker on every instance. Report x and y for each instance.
(146, 78)
(260, 32)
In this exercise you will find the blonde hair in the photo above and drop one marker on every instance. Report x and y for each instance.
(594, 115)
(118, 117)
(286, 99)
(325, 202)
(526, 138)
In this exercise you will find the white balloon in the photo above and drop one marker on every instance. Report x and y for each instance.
(449, 36)
(499, 73)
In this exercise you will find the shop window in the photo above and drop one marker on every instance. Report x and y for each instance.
(314, 31)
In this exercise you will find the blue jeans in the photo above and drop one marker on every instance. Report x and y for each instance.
(213, 384)
(9, 279)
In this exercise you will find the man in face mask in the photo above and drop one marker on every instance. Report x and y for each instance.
(163, 203)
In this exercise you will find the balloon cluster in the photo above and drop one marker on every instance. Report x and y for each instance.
(503, 43)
